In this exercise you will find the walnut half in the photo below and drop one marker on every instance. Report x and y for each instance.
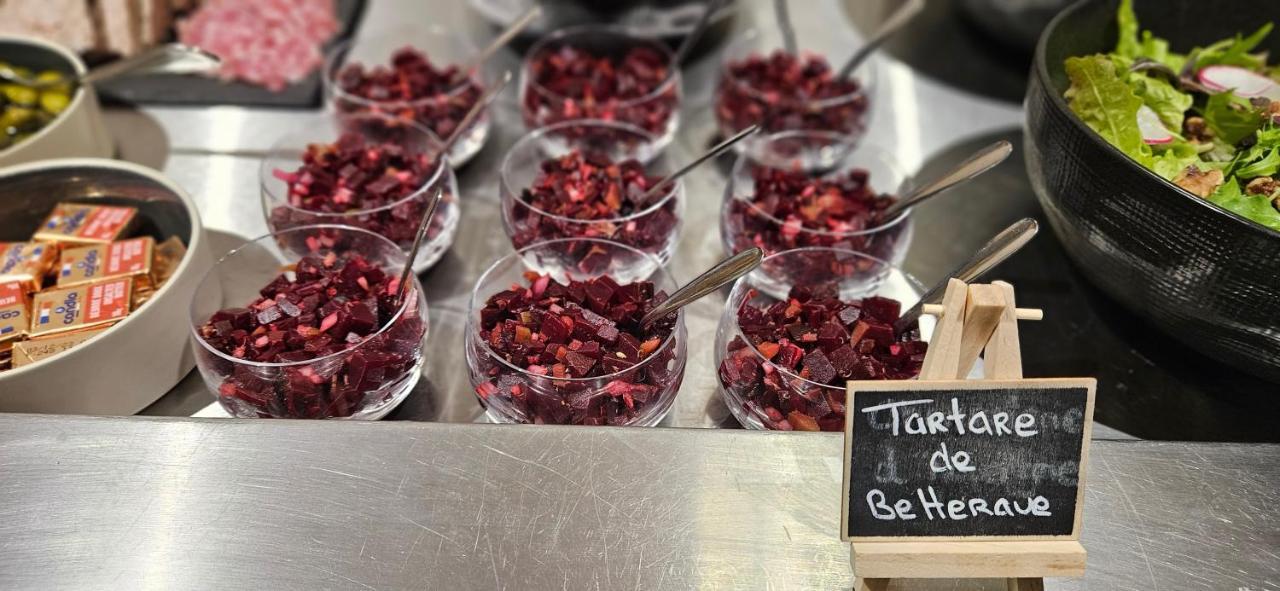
(1200, 183)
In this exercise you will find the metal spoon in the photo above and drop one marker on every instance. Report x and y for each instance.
(715, 150)
(994, 252)
(691, 39)
(480, 105)
(417, 242)
(172, 58)
(502, 40)
(466, 121)
(890, 26)
(788, 31)
(724, 272)
(980, 162)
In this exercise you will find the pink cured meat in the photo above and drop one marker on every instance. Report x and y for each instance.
(272, 43)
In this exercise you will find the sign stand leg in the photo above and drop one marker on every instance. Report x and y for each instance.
(1025, 584)
(861, 584)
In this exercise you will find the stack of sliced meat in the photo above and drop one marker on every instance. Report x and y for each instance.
(271, 43)
(268, 42)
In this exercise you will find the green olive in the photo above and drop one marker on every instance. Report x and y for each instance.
(16, 119)
(21, 95)
(54, 101)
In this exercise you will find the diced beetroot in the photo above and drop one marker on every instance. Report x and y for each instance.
(783, 91)
(581, 85)
(438, 97)
(882, 309)
(579, 187)
(784, 209)
(284, 332)
(869, 351)
(355, 175)
(819, 367)
(579, 343)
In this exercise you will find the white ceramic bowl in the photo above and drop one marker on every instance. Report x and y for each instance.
(140, 358)
(78, 131)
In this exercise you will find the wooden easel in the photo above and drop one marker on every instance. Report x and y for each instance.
(971, 318)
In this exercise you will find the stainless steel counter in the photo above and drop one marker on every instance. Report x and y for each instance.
(108, 503)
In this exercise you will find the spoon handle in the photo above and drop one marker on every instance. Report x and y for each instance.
(890, 26)
(994, 252)
(503, 39)
(724, 272)
(476, 109)
(171, 58)
(716, 150)
(691, 39)
(980, 162)
(417, 241)
(783, 14)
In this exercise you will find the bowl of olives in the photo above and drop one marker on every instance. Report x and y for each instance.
(54, 120)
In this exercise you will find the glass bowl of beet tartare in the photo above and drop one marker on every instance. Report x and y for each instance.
(600, 72)
(761, 83)
(590, 179)
(567, 348)
(782, 359)
(371, 172)
(307, 323)
(775, 203)
(411, 73)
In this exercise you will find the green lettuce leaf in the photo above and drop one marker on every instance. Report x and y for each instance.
(1176, 157)
(1133, 43)
(1168, 102)
(1260, 159)
(1231, 117)
(1235, 51)
(1127, 45)
(1102, 99)
(1255, 207)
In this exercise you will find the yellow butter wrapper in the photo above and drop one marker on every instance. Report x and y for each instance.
(123, 258)
(28, 352)
(61, 310)
(26, 262)
(79, 223)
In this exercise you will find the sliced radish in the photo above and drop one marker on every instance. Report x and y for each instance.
(1245, 83)
(1153, 130)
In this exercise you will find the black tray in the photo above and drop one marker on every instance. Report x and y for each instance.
(175, 89)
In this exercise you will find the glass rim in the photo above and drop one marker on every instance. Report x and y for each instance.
(331, 65)
(473, 312)
(742, 282)
(441, 161)
(532, 139)
(404, 306)
(559, 35)
(744, 159)
(863, 74)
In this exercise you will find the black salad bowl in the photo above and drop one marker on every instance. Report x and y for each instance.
(1201, 274)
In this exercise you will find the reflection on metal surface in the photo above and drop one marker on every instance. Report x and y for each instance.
(93, 503)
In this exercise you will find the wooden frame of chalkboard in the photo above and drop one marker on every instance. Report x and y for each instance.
(1063, 427)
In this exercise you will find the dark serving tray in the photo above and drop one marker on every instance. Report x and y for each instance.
(187, 90)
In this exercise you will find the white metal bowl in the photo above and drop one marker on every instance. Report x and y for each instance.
(140, 358)
(79, 131)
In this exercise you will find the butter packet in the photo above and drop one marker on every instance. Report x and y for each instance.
(26, 262)
(80, 223)
(15, 311)
(101, 302)
(123, 258)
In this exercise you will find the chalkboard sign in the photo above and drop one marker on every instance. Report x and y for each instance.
(966, 459)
